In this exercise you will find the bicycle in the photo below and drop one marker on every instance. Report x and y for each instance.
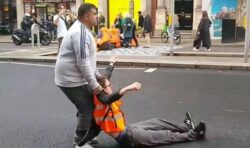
(165, 35)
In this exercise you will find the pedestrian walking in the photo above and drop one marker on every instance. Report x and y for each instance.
(51, 27)
(60, 20)
(147, 28)
(76, 73)
(141, 19)
(154, 132)
(203, 33)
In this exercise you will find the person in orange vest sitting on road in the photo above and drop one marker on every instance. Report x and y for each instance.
(103, 38)
(155, 132)
(115, 36)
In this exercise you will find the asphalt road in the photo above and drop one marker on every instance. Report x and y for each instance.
(35, 114)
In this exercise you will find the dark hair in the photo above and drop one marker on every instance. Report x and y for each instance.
(85, 8)
(139, 12)
(204, 14)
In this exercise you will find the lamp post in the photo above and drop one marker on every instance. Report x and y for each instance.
(172, 27)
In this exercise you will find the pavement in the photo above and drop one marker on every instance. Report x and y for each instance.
(223, 56)
(34, 113)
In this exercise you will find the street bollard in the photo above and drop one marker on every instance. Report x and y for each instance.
(35, 30)
(172, 27)
(247, 37)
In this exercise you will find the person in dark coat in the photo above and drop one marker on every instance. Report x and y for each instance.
(147, 28)
(141, 19)
(128, 31)
(203, 34)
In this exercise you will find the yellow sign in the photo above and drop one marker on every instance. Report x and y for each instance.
(119, 7)
(122, 7)
(95, 2)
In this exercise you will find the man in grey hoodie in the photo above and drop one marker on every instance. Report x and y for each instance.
(76, 73)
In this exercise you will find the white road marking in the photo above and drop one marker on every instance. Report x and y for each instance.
(150, 70)
(53, 66)
(30, 64)
(236, 111)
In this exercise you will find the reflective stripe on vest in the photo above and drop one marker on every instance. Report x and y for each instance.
(108, 118)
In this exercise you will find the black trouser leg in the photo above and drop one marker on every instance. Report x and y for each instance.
(136, 41)
(82, 98)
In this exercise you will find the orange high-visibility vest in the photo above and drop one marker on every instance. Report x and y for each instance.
(109, 118)
(106, 36)
(115, 37)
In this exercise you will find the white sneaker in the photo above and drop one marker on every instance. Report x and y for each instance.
(84, 146)
(209, 49)
(195, 49)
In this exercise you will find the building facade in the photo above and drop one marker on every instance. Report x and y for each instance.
(7, 15)
(188, 11)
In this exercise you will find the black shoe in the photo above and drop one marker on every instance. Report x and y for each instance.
(93, 141)
(188, 121)
(79, 143)
(200, 130)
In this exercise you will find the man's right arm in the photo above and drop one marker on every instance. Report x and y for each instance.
(81, 47)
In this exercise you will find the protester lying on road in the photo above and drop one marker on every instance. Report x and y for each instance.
(154, 132)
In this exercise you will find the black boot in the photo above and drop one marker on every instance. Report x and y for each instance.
(200, 130)
(198, 133)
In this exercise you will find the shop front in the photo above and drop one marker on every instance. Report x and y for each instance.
(7, 16)
(42, 9)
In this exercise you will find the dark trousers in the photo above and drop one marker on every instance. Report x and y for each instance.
(127, 41)
(204, 38)
(136, 41)
(82, 98)
(154, 132)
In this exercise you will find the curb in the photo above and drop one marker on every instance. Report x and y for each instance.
(190, 65)
(207, 54)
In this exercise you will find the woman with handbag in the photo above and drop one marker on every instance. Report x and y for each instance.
(203, 34)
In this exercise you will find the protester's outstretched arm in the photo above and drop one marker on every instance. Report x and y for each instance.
(108, 98)
(133, 87)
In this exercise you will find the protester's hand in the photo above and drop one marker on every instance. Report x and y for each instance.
(113, 59)
(134, 87)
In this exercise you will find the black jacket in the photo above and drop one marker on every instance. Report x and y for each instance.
(141, 21)
(147, 24)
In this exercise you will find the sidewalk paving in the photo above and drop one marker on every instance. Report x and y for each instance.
(197, 62)
(155, 41)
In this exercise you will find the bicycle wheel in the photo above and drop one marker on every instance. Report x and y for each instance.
(177, 38)
(164, 37)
